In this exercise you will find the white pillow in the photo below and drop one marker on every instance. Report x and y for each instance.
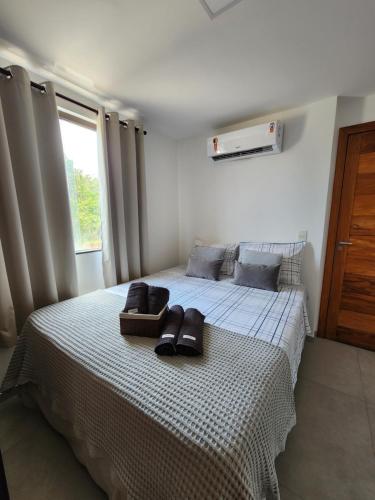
(230, 255)
(291, 265)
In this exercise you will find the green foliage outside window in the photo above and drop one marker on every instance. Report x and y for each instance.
(84, 197)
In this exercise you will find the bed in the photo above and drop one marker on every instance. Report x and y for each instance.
(170, 428)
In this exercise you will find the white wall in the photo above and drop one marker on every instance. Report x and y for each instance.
(264, 199)
(354, 110)
(90, 271)
(162, 201)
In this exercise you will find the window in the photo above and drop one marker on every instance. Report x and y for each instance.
(81, 163)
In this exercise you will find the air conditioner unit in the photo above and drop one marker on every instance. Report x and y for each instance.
(260, 140)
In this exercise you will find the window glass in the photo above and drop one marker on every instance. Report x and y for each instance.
(81, 163)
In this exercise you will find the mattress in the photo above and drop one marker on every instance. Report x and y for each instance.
(277, 318)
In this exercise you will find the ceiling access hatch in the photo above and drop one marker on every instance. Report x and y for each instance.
(216, 7)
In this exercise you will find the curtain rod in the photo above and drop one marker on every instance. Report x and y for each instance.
(8, 74)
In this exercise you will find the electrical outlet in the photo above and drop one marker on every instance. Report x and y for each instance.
(302, 235)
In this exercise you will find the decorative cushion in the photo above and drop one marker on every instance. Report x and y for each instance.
(202, 268)
(291, 265)
(257, 276)
(230, 255)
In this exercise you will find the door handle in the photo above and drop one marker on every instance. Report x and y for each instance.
(345, 243)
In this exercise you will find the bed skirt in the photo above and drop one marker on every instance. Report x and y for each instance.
(98, 464)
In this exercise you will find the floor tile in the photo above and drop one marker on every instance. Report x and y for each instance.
(367, 368)
(371, 417)
(332, 364)
(17, 423)
(328, 453)
(42, 465)
(287, 494)
(5, 355)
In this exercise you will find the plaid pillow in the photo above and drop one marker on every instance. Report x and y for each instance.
(230, 255)
(291, 265)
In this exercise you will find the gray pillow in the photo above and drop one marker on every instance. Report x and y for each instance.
(291, 266)
(202, 268)
(261, 258)
(257, 276)
(208, 252)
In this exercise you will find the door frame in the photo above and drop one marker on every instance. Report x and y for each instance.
(344, 135)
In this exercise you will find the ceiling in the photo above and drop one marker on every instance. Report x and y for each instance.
(183, 71)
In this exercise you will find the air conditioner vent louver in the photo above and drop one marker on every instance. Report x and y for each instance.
(248, 152)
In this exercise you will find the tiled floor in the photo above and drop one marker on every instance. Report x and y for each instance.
(330, 453)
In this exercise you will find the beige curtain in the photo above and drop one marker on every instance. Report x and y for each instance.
(121, 165)
(142, 200)
(35, 223)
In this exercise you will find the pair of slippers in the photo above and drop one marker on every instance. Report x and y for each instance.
(182, 333)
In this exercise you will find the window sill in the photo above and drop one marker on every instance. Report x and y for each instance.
(80, 252)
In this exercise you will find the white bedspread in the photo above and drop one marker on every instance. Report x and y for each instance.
(278, 318)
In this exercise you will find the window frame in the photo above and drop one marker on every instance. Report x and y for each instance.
(78, 120)
(87, 123)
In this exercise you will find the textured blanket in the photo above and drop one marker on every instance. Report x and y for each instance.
(278, 318)
(170, 428)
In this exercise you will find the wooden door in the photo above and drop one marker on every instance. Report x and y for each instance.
(350, 308)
